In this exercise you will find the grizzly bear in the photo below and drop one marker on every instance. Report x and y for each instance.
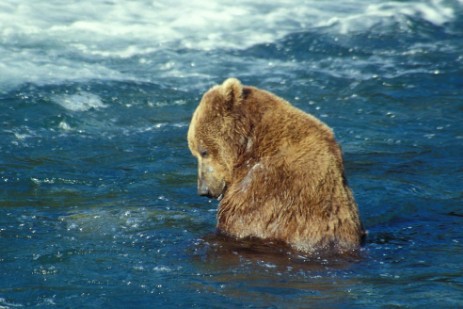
(277, 171)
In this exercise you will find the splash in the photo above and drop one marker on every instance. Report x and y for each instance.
(81, 102)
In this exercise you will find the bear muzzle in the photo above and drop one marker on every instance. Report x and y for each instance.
(203, 189)
(211, 192)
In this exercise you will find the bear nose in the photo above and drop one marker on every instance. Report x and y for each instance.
(203, 189)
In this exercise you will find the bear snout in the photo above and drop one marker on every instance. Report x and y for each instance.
(214, 189)
(203, 189)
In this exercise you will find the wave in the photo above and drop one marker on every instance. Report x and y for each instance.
(83, 101)
(121, 28)
(436, 12)
(45, 42)
(41, 67)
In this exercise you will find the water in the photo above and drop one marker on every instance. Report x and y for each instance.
(97, 201)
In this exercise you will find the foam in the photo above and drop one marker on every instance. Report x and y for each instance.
(434, 11)
(25, 66)
(367, 16)
(46, 42)
(126, 28)
(80, 102)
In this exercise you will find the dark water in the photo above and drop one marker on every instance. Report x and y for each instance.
(97, 186)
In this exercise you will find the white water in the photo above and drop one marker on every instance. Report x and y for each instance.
(79, 102)
(52, 41)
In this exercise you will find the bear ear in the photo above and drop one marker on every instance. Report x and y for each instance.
(232, 91)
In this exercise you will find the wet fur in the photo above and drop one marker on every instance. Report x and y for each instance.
(282, 168)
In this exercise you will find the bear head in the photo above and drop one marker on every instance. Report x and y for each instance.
(216, 136)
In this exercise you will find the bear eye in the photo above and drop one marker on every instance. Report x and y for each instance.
(203, 153)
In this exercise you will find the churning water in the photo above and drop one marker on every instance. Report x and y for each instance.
(98, 204)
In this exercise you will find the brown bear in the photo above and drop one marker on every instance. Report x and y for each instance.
(277, 171)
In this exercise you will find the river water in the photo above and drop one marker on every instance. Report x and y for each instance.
(98, 205)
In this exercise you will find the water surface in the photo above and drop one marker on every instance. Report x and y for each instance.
(98, 205)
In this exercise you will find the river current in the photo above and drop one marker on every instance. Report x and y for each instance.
(98, 205)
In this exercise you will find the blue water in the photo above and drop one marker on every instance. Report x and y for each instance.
(98, 206)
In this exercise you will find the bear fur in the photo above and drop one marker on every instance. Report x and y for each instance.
(277, 171)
